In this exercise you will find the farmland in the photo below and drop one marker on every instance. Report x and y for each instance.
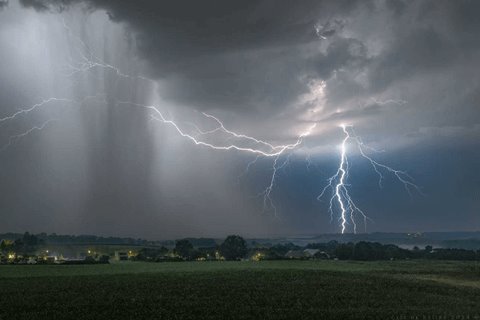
(243, 290)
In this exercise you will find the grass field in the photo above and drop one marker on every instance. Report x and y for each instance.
(243, 290)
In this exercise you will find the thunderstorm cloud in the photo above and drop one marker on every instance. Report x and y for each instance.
(403, 73)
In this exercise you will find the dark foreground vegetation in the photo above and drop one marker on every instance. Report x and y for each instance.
(314, 289)
(62, 277)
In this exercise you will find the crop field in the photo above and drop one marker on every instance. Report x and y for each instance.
(243, 290)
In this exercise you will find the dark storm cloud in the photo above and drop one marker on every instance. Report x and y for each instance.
(229, 54)
(223, 54)
(403, 72)
(37, 5)
(259, 57)
(341, 53)
(256, 55)
(261, 54)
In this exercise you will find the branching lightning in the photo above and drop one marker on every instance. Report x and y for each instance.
(267, 193)
(229, 140)
(26, 110)
(90, 61)
(273, 151)
(337, 184)
(13, 139)
(261, 148)
(31, 108)
(243, 143)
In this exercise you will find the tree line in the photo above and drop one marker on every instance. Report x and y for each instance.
(234, 247)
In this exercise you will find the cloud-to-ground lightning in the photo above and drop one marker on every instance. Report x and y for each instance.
(337, 184)
(229, 140)
(267, 198)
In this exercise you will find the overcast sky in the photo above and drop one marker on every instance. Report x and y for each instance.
(403, 73)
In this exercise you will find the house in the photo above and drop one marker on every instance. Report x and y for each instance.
(121, 255)
(50, 259)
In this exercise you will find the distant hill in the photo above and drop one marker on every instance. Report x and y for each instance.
(460, 239)
(55, 239)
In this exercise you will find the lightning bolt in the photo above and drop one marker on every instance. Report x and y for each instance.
(247, 168)
(91, 62)
(278, 154)
(13, 139)
(274, 151)
(243, 143)
(26, 110)
(29, 109)
(337, 184)
(267, 193)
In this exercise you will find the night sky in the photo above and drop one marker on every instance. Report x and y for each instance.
(404, 74)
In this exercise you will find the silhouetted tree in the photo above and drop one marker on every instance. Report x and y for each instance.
(233, 248)
(184, 248)
(344, 251)
(30, 240)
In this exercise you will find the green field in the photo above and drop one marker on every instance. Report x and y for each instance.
(243, 290)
